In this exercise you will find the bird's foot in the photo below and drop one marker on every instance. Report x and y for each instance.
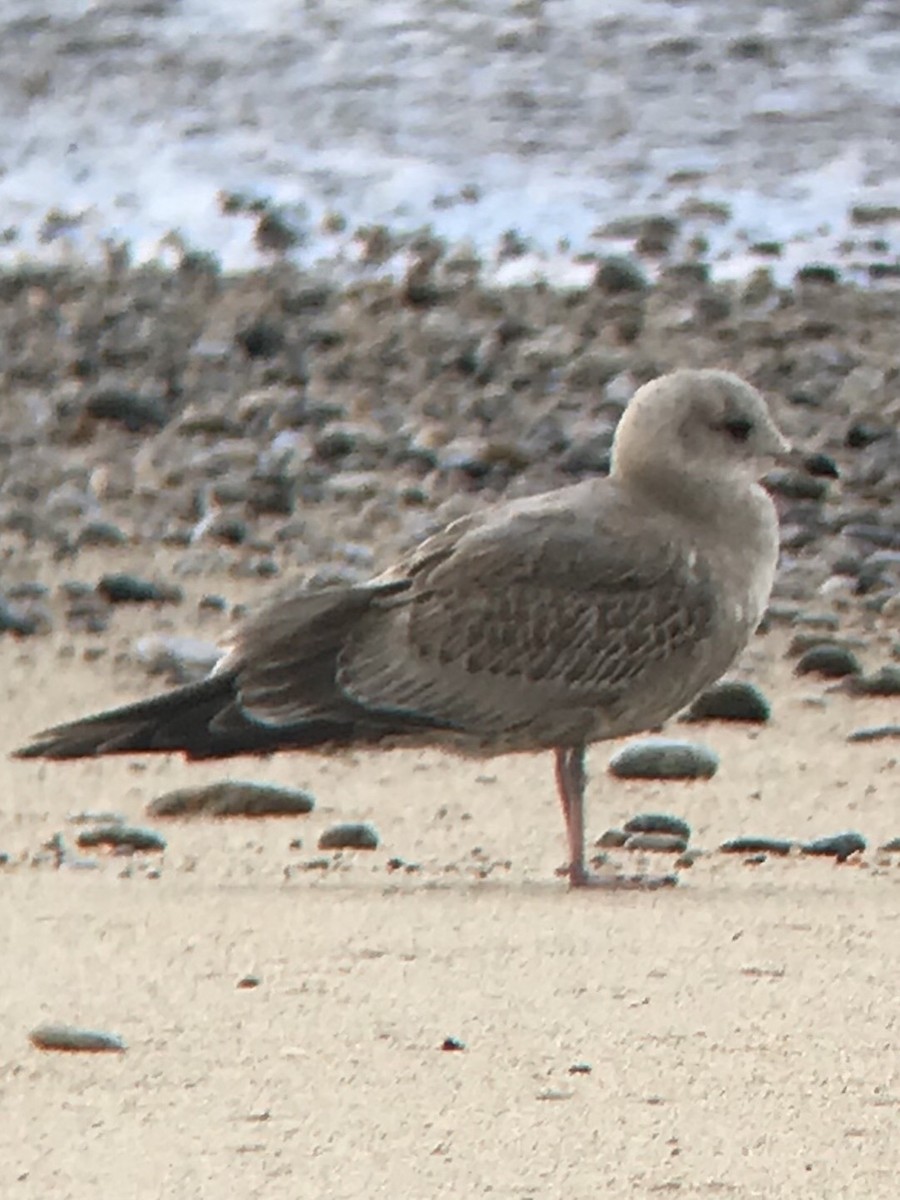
(580, 877)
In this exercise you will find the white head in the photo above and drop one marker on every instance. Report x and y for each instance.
(696, 428)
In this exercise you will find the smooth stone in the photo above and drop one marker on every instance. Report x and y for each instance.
(829, 660)
(94, 817)
(891, 847)
(730, 700)
(757, 845)
(71, 1038)
(664, 758)
(134, 411)
(133, 837)
(660, 843)
(612, 838)
(232, 798)
(839, 846)
(874, 733)
(884, 682)
(663, 823)
(122, 588)
(349, 836)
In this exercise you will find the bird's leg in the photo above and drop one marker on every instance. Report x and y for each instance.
(570, 781)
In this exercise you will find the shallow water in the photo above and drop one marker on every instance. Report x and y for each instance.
(125, 120)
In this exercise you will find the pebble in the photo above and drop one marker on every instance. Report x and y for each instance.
(891, 847)
(840, 846)
(884, 682)
(757, 845)
(136, 412)
(874, 733)
(612, 838)
(179, 658)
(24, 620)
(92, 817)
(349, 836)
(660, 843)
(452, 1043)
(730, 700)
(122, 588)
(72, 1038)
(133, 837)
(619, 274)
(663, 823)
(232, 798)
(830, 660)
(664, 758)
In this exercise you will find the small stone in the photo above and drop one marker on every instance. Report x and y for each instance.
(130, 589)
(730, 700)
(179, 658)
(659, 843)
(884, 682)
(757, 845)
(822, 465)
(874, 733)
(612, 838)
(796, 485)
(93, 817)
(71, 1038)
(349, 836)
(249, 981)
(618, 274)
(452, 1043)
(132, 837)
(101, 533)
(663, 823)
(233, 798)
(664, 758)
(580, 1068)
(261, 339)
(839, 847)
(830, 660)
(23, 620)
(891, 847)
(130, 409)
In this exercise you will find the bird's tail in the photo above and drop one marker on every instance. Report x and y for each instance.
(200, 720)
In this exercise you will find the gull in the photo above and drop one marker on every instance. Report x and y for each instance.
(547, 623)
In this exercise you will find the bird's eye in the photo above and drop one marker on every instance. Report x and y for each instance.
(738, 428)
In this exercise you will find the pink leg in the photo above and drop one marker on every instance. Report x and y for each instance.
(570, 781)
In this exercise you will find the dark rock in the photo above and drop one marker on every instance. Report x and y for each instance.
(232, 798)
(71, 1038)
(860, 435)
(249, 981)
(272, 492)
(891, 847)
(101, 533)
(131, 837)
(874, 733)
(840, 846)
(757, 845)
(24, 620)
(664, 758)
(661, 823)
(260, 339)
(350, 836)
(884, 682)
(618, 274)
(830, 660)
(136, 412)
(452, 1043)
(730, 700)
(661, 843)
(821, 465)
(129, 589)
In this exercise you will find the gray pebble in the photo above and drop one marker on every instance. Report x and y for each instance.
(664, 758)
(658, 823)
(891, 847)
(840, 846)
(884, 682)
(70, 1037)
(730, 700)
(350, 836)
(127, 408)
(122, 588)
(874, 733)
(796, 485)
(661, 843)
(830, 660)
(94, 817)
(133, 837)
(232, 798)
(612, 837)
(757, 845)
(619, 274)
